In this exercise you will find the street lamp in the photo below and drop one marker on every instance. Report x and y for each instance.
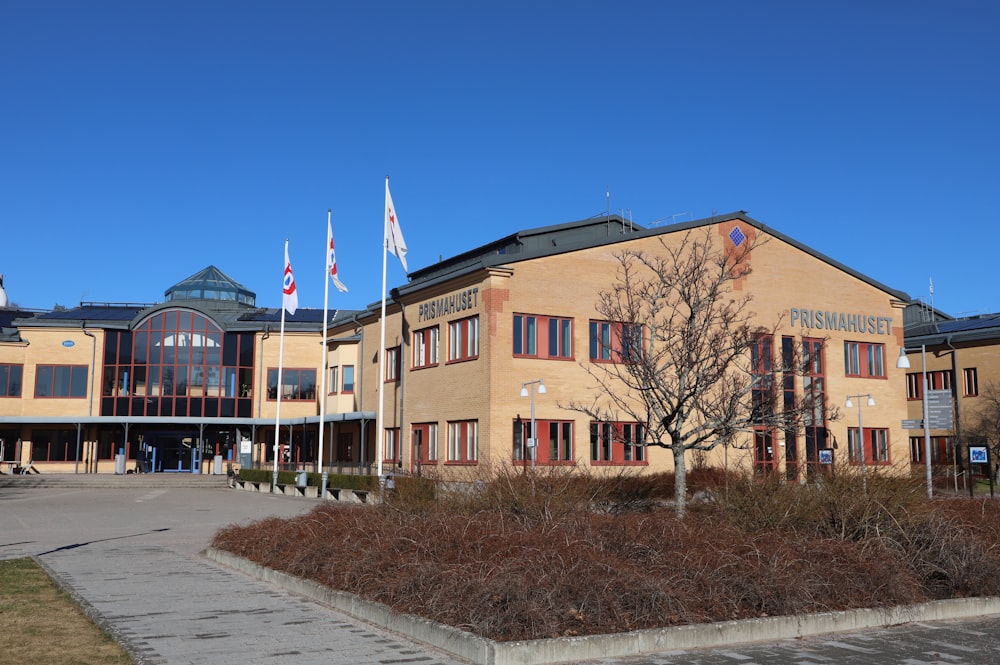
(533, 444)
(904, 363)
(861, 433)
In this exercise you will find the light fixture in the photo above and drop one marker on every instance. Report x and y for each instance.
(533, 442)
(904, 363)
(850, 405)
(861, 435)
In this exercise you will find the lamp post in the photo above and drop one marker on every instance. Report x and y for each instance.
(904, 363)
(533, 445)
(861, 433)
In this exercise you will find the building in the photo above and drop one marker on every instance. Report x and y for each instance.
(468, 336)
(958, 359)
(181, 385)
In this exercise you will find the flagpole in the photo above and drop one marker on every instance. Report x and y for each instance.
(379, 434)
(322, 389)
(277, 410)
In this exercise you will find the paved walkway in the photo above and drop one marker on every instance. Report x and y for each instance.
(132, 556)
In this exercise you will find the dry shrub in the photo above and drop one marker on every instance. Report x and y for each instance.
(952, 548)
(528, 557)
(840, 505)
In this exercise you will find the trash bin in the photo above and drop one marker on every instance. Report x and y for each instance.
(120, 464)
(217, 465)
(301, 479)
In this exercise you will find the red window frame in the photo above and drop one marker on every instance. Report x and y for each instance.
(871, 444)
(543, 337)
(426, 347)
(73, 371)
(612, 341)
(617, 443)
(463, 339)
(864, 360)
(393, 364)
(463, 435)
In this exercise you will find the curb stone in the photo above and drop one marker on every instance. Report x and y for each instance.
(620, 645)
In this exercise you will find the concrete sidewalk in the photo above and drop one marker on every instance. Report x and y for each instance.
(133, 557)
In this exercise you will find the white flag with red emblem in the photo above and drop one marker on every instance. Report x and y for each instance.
(393, 234)
(331, 260)
(290, 297)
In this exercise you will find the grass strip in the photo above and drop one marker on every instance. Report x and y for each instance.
(40, 623)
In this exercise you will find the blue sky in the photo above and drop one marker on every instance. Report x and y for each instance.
(141, 142)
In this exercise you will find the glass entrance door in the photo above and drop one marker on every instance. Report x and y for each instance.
(171, 451)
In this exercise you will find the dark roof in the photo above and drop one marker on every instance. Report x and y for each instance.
(300, 316)
(979, 322)
(7, 316)
(584, 234)
(8, 331)
(978, 328)
(106, 312)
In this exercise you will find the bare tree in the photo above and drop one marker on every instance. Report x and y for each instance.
(687, 358)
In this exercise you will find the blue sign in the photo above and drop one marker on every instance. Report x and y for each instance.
(977, 454)
(68, 343)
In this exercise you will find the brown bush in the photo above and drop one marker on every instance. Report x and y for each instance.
(523, 558)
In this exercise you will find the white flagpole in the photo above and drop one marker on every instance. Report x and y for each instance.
(322, 389)
(379, 434)
(277, 410)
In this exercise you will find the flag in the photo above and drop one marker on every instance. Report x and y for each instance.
(331, 260)
(393, 235)
(290, 297)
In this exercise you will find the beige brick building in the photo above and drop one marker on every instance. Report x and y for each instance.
(959, 360)
(183, 384)
(465, 338)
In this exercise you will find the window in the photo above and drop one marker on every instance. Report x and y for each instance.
(53, 445)
(971, 381)
(425, 348)
(334, 380)
(61, 381)
(393, 360)
(425, 443)
(936, 380)
(617, 443)
(391, 451)
(864, 359)
(298, 385)
(615, 342)
(10, 380)
(553, 446)
(348, 372)
(463, 339)
(942, 451)
(522, 432)
(178, 363)
(876, 445)
(817, 437)
(463, 441)
(543, 336)
(762, 403)
(788, 405)
(560, 441)
(762, 381)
